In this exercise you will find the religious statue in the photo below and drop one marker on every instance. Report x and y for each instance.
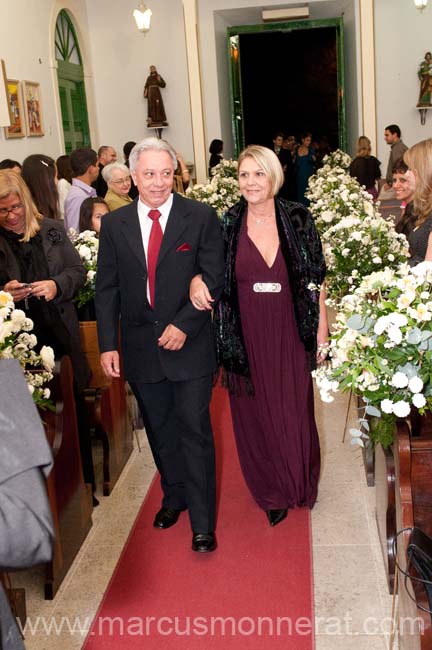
(155, 108)
(425, 76)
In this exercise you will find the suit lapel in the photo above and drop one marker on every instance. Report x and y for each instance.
(132, 232)
(175, 226)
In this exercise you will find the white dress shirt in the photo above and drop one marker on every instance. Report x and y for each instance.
(146, 224)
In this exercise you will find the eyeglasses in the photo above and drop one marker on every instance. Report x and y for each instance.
(122, 181)
(14, 208)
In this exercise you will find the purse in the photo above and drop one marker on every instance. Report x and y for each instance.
(419, 564)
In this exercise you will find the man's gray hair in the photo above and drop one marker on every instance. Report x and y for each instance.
(151, 144)
(108, 170)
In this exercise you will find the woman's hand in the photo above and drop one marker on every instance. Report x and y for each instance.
(323, 346)
(17, 290)
(44, 289)
(199, 294)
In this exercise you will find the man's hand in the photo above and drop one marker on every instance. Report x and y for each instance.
(172, 338)
(110, 362)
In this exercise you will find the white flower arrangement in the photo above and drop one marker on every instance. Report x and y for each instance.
(87, 245)
(17, 342)
(222, 191)
(381, 349)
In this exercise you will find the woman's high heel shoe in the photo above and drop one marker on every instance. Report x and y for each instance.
(276, 516)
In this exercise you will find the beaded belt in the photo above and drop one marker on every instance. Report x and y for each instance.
(267, 287)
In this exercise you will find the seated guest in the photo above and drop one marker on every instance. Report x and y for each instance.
(118, 179)
(404, 185)
(366, 168)
(215, 150)
(7, 163)
(127, 148)
(64, 180)
(40, 174)
(84, 171)
(91, 212)
(43, 272)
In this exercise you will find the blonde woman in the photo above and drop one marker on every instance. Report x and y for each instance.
(419, 160)
(365, 167)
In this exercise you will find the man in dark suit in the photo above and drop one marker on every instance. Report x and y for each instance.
(148, 253)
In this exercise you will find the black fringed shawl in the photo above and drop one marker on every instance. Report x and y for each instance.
(302, 251)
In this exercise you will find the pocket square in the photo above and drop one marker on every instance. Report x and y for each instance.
(184, 247)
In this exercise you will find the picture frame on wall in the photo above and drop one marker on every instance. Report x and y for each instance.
(16, 110)
(33, 108)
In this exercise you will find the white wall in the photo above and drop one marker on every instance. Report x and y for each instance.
(402, 36)
(28, 56)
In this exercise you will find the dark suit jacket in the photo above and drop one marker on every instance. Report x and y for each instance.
(66, 269)
(121, 291)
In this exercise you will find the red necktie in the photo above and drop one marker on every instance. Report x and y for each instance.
(154, 245)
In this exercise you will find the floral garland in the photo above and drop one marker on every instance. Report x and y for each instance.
(87, 245)
(17, 342)
(222, 191)
(381, 349)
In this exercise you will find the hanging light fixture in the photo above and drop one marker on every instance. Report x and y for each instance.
(142, 17)
(420, 4)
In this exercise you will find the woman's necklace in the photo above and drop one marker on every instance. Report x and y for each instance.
(261, 220)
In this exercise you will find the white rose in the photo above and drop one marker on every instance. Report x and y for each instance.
(326, 397)
(401, 409)
(47, 356)
(394, 334)
(399, 380)
(377, 260)
(18, 316)
(386, 406)
(85, 252)
(415, 384)
(381, 324)
(46, 393)
(419, 400)
(31, 389)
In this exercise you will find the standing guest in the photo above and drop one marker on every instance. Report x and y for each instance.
(404, 185)
(106, 156)
(91, 212)
(64, 181)
(27, 531)
(43, 272)
(84, 171)
(392, 136)
(127, 148)
(286, 158)
(118, 179)
(271, 330)
(14, 165)
(305, 162)
(40, 174)
(215, 151)
(419, 160)
(181, 175)
(366, 168)
(277, 142)
(167, 344)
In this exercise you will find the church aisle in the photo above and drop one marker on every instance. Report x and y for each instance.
(349, 580)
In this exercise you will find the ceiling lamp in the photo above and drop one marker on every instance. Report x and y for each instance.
(420, 4)
(142, 17)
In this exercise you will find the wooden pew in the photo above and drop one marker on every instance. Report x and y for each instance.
(69, 496)
(108, 411)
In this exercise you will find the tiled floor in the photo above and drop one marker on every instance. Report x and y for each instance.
(352, 605)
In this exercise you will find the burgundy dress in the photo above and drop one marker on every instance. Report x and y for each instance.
(275, 429)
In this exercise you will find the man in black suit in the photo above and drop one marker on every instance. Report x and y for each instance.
(148, 253)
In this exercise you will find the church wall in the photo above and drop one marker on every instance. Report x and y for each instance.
(26, 49)
(402, 36)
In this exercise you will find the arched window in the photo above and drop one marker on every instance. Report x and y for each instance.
(70, 75)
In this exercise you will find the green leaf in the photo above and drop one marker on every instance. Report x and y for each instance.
(373, 411)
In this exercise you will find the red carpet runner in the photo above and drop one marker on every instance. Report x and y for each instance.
(254, 592)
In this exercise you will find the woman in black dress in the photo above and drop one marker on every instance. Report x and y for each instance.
(419, 160)
(271, 329)
(366, 168)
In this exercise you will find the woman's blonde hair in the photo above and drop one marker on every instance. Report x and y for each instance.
(419, 160)
(269, 163)
(12, 183)
(363, 146)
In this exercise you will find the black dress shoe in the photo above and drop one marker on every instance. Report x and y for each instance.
(204, 542)
(166, 517)
(276, 516)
